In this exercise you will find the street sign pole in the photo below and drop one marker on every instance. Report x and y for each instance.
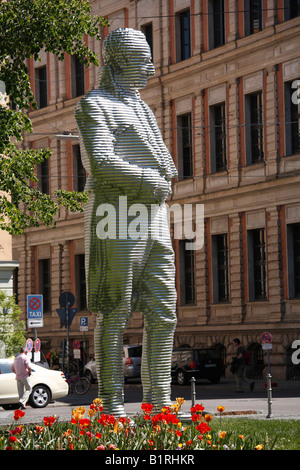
(67, 346)
(66, 300)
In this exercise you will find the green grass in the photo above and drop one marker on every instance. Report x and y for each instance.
(285, 434)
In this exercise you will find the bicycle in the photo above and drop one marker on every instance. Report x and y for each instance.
(77, 384)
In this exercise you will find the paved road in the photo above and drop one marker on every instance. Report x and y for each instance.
(285, 401)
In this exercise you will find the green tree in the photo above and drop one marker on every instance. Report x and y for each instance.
(12, 329)
(27, 27)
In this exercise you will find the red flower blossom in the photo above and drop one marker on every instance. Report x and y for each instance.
(17, 430)
(203, 428)
(165, 418)
(195, 418)
(197, 408)
(147, 407)
(84, 422)
(18, 414)
(13, 439)
(49, 420)
(106, 419)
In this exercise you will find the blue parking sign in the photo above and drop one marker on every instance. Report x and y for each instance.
(35, 310)
(84, 323)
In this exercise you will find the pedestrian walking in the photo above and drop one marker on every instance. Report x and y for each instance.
(22, 368)
(238, 367)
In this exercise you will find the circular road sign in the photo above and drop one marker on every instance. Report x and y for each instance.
(66, 298)
(37, 345)
(76, 344)
(266, 337)
(34, 303)
(29, 345)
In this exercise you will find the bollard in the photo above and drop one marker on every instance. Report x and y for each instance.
(269, 385)
(193, 391)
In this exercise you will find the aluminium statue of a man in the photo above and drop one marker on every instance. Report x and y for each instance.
(126, 160)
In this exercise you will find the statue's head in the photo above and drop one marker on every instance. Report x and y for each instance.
(128, 56)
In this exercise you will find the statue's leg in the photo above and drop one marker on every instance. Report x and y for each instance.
(108, 355)
(115, 307)
(159, 301)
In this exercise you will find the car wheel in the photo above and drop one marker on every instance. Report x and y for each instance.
(40, 396)
(181, 378)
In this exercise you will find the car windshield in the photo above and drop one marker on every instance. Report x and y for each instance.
(135, 351)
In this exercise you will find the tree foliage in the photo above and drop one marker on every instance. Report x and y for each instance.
(12, 329)
(27, 27)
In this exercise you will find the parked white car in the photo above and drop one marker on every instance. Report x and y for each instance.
(46, 385)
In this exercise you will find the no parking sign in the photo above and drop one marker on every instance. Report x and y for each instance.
(37, 345)
(29, 345)
(266, 339)
(76, 351)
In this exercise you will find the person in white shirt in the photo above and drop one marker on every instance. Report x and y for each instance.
(22, 368)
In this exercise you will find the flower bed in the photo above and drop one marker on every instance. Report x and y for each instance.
(91, 429)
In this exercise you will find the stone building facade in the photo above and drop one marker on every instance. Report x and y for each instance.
(225, 97)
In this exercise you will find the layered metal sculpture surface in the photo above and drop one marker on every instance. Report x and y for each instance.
(129, 255)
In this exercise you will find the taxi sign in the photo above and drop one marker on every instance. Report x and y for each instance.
(35, 311)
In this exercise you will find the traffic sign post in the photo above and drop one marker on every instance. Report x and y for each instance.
(266, 339)
(66, 315)
(84, 326)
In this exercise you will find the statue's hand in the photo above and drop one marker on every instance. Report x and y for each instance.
(162, 190)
